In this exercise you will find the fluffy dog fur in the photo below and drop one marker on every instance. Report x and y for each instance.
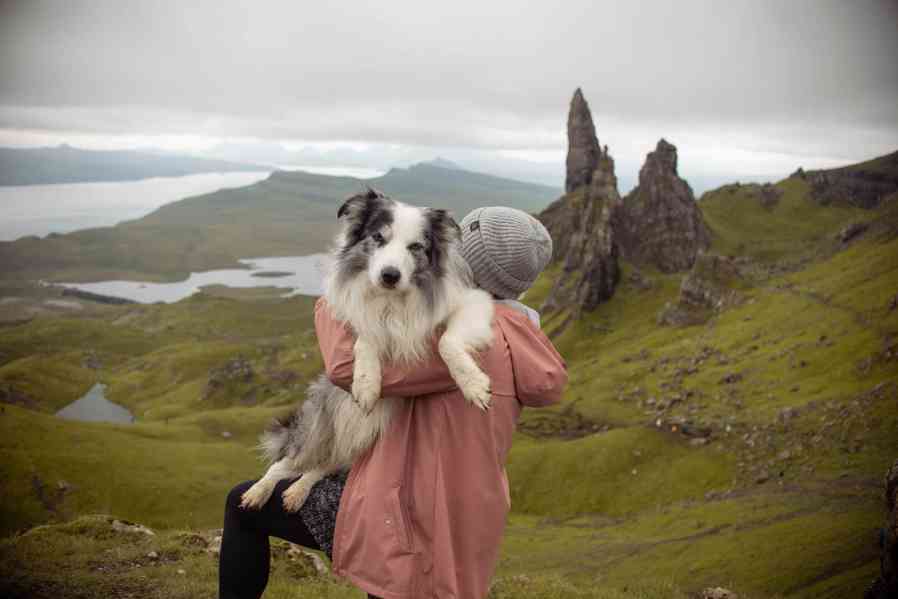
(397, 277)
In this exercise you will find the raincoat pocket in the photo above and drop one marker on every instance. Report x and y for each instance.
(398, 521)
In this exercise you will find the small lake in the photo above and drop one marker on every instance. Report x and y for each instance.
(94, 407)
(297, 275)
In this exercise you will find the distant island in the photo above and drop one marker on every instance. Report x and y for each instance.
(67, 164)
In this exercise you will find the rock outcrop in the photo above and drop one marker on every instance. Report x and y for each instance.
(235, 370)
(886, 586)
(580, 221)
(863, 185)
(707, 289)
(659, 222)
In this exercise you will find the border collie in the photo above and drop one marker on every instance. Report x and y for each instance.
(397, 277)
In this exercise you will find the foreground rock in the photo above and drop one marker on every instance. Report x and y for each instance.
(659, 223)
(131, 528)
(580, 221)
(886, 586)
(708, 289)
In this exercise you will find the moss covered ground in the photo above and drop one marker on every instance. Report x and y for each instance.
(744, 452)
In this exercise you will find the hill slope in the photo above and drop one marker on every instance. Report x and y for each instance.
(290, 213)
(65, 164)
(745, 452)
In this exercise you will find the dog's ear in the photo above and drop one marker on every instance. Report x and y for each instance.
(361, 211)
(444, 232)
(443, 227)
(357, 204)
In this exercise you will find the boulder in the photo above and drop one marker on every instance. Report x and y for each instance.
(131, 528)
(659, 222)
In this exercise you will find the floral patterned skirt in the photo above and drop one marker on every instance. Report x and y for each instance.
(319, 512)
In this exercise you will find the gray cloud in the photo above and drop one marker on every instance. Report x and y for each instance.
(812, 80)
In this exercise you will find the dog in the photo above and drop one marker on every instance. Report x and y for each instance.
(397, 278)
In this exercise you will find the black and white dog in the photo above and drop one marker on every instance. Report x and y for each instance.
(396, 277)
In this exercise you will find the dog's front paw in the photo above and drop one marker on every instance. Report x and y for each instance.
(365, 393)
(476, 389)
(256, 496)
(295, 495)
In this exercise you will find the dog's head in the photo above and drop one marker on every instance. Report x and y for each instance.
(398, 247)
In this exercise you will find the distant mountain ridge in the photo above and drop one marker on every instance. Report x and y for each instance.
(66, 164)
(289, 213)
(443, 163)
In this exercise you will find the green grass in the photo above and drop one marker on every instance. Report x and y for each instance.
(621, 472)
(795, 226)
(763, 543)
(173, 476)
(86, 558)
(607, 492)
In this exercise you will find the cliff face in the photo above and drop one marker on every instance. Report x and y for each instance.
(863, 185)
(659, 222)
(580, 221)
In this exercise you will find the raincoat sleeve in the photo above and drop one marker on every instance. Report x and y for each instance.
(540, 373)
(336, 341)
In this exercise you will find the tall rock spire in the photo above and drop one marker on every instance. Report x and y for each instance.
(580, 221)
(583, 147)
(659, 222)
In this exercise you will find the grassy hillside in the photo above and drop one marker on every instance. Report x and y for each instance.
(745, 452)
(65, 164)
(290, 213)
(791, 227)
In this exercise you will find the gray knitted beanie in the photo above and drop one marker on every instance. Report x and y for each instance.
(506, 248)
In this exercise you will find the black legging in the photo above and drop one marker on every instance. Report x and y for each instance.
(245, 553)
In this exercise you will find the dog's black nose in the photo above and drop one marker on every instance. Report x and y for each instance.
(390, 276)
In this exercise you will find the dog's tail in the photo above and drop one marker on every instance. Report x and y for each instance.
(306, 433)
(275, 441)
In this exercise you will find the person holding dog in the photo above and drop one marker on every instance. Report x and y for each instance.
(422, 513)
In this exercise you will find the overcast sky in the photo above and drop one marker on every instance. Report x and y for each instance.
(744, 89)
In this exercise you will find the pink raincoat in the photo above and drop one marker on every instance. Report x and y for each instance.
(423, 511)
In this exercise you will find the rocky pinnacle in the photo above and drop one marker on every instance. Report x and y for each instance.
(583, 147)
(580, 221)
(659, 222)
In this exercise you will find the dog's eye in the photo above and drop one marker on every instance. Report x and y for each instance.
(415, 247)
(378, 239)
